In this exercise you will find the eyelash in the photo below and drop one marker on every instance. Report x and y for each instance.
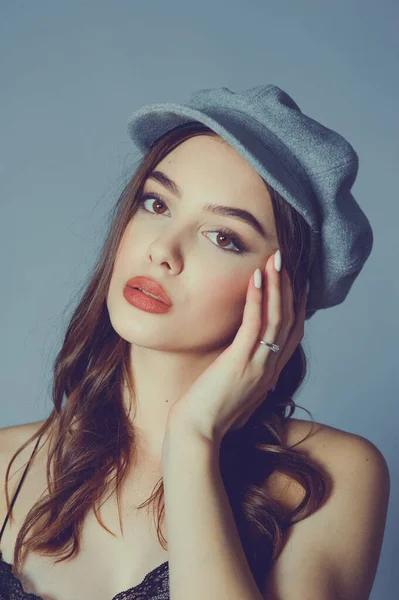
(237, 241)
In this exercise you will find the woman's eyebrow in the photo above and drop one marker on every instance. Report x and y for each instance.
(217, 209)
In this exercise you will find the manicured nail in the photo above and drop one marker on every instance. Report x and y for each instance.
(258, 279)
(277, 260)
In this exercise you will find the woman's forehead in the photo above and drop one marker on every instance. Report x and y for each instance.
(202, 170)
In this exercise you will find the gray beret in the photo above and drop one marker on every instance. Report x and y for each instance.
(310, 165)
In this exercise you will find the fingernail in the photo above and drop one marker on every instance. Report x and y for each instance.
(258, 279)
(307, 287)
(277, 260)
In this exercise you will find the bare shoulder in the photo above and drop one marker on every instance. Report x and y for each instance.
(14, 436)
(328, 445)
(297, 429)
(343, 562)
(11, 439)
(334, 450)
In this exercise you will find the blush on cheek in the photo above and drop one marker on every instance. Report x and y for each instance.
(226, 296)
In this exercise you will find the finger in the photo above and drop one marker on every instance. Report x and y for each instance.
(287, 308)
(273, 316)
(248, 333)
(294, 337)
(274, 303)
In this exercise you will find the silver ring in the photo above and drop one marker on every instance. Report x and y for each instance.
(273, 347)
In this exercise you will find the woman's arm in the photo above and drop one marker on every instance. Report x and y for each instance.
(332, 554)
(206, 558)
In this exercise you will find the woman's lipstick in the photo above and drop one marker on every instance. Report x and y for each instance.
(151, 286)
(141, 299)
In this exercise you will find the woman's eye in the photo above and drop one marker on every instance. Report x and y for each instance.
(154, 199)
(235, 240)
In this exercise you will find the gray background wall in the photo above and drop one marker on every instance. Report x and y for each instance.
(72, 73)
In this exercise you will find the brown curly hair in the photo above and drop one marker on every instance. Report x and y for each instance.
(94, 437)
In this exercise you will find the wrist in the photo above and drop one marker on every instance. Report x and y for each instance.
(181, 438)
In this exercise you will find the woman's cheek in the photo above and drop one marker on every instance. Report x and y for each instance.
(227, 294)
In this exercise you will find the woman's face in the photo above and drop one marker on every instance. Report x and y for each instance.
(179, 244)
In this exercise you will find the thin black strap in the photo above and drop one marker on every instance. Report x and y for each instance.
(18, 488)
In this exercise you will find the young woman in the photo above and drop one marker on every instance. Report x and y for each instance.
(172, 385)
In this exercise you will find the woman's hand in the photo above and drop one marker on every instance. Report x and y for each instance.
(226, 394)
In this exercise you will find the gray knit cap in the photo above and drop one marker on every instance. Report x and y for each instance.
(310, 165)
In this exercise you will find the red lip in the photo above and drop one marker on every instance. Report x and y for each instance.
(151, 286)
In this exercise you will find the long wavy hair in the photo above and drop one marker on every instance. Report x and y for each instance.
(93, 436)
